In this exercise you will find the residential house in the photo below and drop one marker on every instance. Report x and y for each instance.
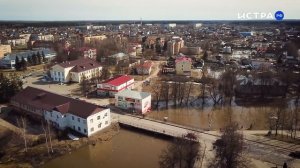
(89, 52)
(73, 71)
(144, 68)
(114, 85)
(62, 112)
(133, 101)
(118, 58)
(183, 65)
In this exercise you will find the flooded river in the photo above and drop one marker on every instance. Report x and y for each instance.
(127, 149)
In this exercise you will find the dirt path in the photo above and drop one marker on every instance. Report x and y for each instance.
(139, 84)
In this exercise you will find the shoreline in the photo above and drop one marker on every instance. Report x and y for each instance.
(37, 155)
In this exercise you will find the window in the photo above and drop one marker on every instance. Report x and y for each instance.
(105, 114)
(51, 114)
(98, 118)
(106, 122)
(99, 125)
(91, 121)
(84, 121)
(84, 130)
(92, 129)
(72, 117)
(57, 116)
(79, 129)
(78, 119)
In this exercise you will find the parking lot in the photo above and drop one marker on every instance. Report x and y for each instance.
(36, 80)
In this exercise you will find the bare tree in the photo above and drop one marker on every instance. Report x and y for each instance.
(22, 124)
(229, 150)
(156, 87)
(182, 153)
(46, 138)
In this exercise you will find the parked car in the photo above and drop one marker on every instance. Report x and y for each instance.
(73, 137)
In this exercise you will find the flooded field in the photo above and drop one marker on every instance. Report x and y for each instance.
(127, 149)
(216, 117)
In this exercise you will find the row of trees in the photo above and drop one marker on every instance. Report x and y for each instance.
(87, 84)
(179, 89)
(9, 86)
(185, 151)
(34, 59)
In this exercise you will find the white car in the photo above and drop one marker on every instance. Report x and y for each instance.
(73, 137)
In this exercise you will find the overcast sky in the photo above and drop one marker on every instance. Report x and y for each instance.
(145, 9)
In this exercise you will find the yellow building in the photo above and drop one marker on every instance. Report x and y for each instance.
(93, 39)
(4, 49)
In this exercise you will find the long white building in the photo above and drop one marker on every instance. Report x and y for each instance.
(62, 112)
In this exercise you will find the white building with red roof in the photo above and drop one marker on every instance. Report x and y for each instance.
(115, 85)
(73, 71)
(183, 65)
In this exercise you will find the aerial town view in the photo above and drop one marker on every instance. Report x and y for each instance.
(149, 84)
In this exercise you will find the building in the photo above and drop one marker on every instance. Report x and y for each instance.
(73, 71)
(190, 50)
(115, 85)
(144, 68)
(62, 112)
(93, 39)
(89, 52)
(134, 101)
(174, 46)
(118, 58)
(4, 49)
(17, 42)
(9, 60)
(183, 65)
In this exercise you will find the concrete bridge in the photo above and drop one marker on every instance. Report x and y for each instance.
(260, 147)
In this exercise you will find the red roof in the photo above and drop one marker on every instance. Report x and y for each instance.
(183, 58)
(118, 80)
(42, 99)
(147, 64)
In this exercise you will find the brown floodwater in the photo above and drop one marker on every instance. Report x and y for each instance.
(128, 149)
(216, 117)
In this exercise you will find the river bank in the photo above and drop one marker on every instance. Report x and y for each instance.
(13, 153)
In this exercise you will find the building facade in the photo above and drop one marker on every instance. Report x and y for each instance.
(144, 68)
(73, 71)
(183, 65)
(134, 101)
(115, 85)
(4, 49)
(89, 53)
(62, 112)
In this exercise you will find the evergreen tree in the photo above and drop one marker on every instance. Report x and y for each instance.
(17, 64)
(34, 59)
(43, 57)
(23, 64)
(29, 60)
(39, 58)
(9, 86)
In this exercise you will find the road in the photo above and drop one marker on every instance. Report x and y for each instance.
(138, 84)
(258, 147)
